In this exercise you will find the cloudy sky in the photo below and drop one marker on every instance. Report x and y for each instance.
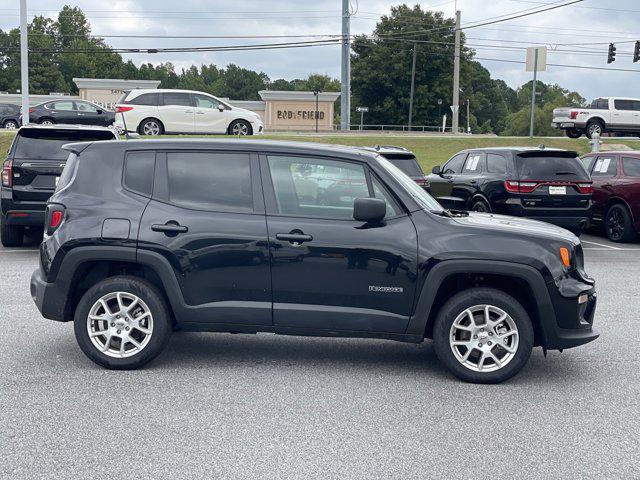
(588, 26)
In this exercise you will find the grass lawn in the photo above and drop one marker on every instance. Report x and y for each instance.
(430, 150)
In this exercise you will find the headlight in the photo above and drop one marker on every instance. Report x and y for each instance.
(565, 256)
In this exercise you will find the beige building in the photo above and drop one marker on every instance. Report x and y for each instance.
(107, 91)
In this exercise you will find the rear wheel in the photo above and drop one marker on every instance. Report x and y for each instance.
(10, 124)
(618, 224)
(47, 121)
(151, 126)
(122, 323)
(240, 128)
(593, 127)
(11, 235)
(573, 133)
(483, 335)
(480, 206)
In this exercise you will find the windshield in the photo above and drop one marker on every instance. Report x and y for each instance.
(423, 199)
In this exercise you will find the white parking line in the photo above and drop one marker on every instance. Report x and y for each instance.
(602, 245)
(18, 251)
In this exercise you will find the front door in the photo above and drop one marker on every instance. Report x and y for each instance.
(441, 186)
(330, 272)
(88, 114)
(211, 115)
(604, 174)
(176, 112)
(206, 219)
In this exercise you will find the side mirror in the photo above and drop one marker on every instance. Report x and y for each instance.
(369, 210)
(100, 111)
(221, 107)
(436, 170)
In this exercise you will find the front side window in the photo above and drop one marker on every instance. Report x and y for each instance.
(322, 188)
(631, 166)
(210, 181)
(62, 106)
(204, 101)
(179, 99)
(454, 165)
(605, 166)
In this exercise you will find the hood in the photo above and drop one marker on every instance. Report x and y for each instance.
(517, 225)
(245, 111)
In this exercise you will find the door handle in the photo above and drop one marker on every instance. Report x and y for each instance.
(473, 182)
(294, 238)
(170, 228)
(606, 185)
(188, 111)
(199, 113)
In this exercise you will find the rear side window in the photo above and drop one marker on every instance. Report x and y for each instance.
(62, 106)
(68, 172)
(473, 164)
(631, 166)
(600, 103)
(455, 164)
(182, 99)
(496, 163)
(150, 99)
(557, 168)
(138, 172)
(605, 166)
(45, 144)
(407, 163)
(210, 181)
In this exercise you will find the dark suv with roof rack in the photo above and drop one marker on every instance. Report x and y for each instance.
(404, 159)
(147, 237)
(539, 183)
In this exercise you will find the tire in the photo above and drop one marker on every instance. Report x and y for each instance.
(11, 236)
(47, 121)
(573, 133)
(240, 128)
(151, 333)
(151, 126)
(475, 300)
(594, 126)
(10, 125)
(480, 206)
(618, 224)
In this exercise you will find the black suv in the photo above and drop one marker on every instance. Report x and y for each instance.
(30, 173)
(146, 237)
(404, 159)
(540, 183)
(9, 116)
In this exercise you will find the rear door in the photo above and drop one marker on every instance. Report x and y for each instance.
(88, 114)
(208, 117)
(63, 111)
(628, 186)
(329, 271)
(38, 159)
(206, 219)
(176, 112)
(604, 173)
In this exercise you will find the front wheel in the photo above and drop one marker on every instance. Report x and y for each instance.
(593, 127)
(10, 124)
(122, 323)
(483, 335)
(240, 128)
(619, 225)
(573, 133)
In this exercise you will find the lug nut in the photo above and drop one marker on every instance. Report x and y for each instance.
(482, 329)
(491, 334)
(479, 344)
(113, 324)
(475, 336)
(126, 328)
(489, 343)
(119, 331)
(117, 316)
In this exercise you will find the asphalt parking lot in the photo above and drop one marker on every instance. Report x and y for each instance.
(263, 406)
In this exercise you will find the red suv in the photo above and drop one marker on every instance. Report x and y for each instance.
(616, 196)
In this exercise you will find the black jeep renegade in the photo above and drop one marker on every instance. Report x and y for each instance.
(147, 237)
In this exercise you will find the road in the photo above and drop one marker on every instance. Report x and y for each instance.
(271, 407)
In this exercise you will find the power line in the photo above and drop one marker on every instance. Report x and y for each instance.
(521, 14)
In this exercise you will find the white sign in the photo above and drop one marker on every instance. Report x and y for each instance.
(362, 109)
(531, 59)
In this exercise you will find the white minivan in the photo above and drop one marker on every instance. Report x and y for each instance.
(158, 111)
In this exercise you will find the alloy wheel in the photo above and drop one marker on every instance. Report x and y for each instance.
(484, 338)
(615, 224)
(46, 122)
(151, 128)
(120, 324)
(595, 128)
(240, 129)
(10, 125)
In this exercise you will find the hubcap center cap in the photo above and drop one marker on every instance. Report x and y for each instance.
(482, 335)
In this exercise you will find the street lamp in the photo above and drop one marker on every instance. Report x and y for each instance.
(439, 109)
(317, 93)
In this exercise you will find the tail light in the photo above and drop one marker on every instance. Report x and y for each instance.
(122, 109)
(573, 115)
(513, 186)
(423, 182)
(7, 173)
(32, 109)
(585, 188)
(54, 217)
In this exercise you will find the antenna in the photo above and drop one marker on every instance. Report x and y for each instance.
(126, 131)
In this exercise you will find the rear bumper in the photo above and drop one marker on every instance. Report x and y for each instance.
(571, 219)
(25, 218)
(47, 297)
(567, 124)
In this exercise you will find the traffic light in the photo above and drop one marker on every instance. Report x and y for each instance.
(612, 53)
(636, 52)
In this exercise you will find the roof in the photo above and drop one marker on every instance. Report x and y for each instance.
(387, 149)
(515, 149)
(233, 144)
(114, 83)
(629, 153)
(64, 126)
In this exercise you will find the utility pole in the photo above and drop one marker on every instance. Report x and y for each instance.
(24, 63)
(468, 125)
(533, 91)
(413, 81)
(316, 93)
(456, 78)
(345, 95)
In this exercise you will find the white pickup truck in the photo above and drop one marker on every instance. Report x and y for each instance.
(611, 114)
